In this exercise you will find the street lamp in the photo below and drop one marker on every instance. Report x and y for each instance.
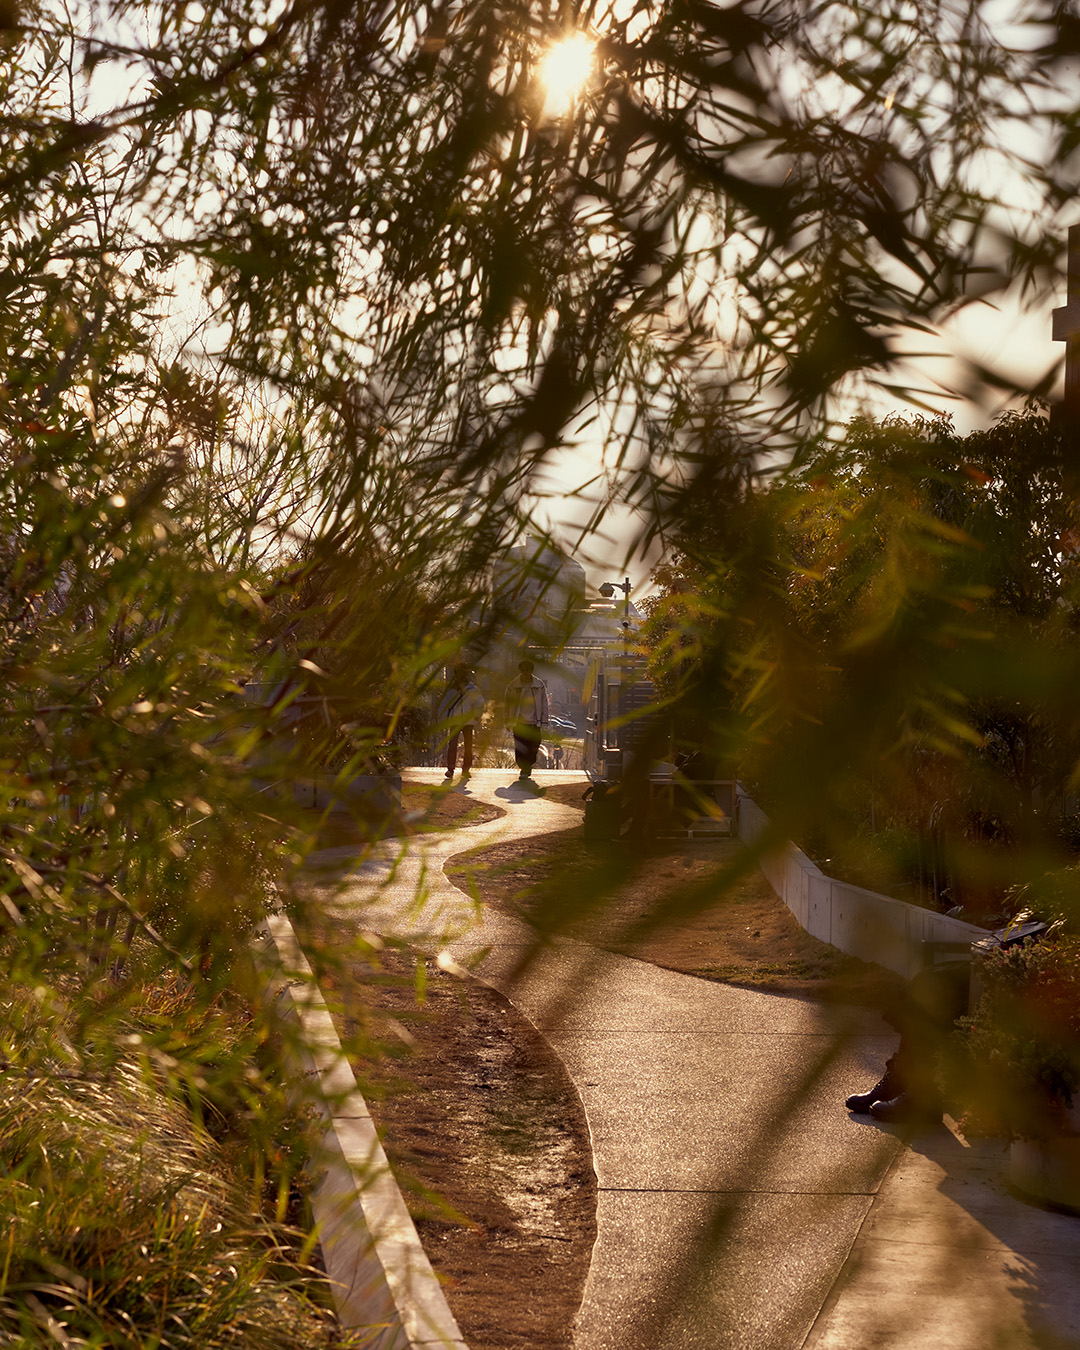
(608, 588)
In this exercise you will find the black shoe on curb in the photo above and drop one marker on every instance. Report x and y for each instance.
(906, 1110)
(884, 1089)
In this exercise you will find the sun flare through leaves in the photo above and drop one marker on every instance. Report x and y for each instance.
(565, 70)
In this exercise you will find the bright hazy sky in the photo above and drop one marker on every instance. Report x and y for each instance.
(998, 335)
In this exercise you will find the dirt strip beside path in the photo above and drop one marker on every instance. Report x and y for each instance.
(483, 1128)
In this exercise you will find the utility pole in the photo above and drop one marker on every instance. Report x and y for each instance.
(1066, 414)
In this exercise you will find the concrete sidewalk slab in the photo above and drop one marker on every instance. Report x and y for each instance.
(948, 1256)
(743, 1271)
(726, 1113)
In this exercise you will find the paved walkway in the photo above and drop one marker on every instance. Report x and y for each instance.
(740, 1204)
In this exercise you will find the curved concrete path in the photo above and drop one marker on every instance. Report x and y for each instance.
(739, 1204)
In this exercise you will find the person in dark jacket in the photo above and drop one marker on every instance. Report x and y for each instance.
(526, 712)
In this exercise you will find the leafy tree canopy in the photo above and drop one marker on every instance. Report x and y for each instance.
(901, 610)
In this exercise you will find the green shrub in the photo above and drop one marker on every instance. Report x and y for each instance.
(1018, 1054)
(123, 1223)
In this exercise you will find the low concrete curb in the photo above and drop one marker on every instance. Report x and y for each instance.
(861, 923)
(385, 1291)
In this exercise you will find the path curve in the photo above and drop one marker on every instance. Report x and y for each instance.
(732, 1183)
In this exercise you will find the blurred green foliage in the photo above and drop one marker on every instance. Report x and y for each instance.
(890, 631)
(298, 302)
(1016, 1062)
(125, 1223)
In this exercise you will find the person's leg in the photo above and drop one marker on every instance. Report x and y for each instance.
(888, 1086)
(932, 1002)
(530, 746)
(521, 753)
(466, 751)
(924, 1015)
(451, 756)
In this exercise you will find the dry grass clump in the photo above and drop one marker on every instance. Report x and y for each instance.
(121, 1225)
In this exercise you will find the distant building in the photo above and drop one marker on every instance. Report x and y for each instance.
(543, 594)
(537, 588)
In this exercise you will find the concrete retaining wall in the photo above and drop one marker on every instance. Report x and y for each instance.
(861, 923)
(385, 1292)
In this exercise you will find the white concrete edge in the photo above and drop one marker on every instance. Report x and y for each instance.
(382, 1282)
(856, 921)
